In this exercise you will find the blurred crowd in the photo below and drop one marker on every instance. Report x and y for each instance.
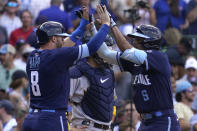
(177, 19)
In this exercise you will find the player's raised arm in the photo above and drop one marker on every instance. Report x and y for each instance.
(129, 53)
(95, 42)
(121, 41)
(79, 32)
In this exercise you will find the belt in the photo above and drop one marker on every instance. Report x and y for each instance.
(151, 115)
(75, 103)
(96, 125)
(31, 110)
(104, 127)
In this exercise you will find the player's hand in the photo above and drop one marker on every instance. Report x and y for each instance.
(103, 15)
(85, 14)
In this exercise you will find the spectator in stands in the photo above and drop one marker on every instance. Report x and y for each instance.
(54, 13)
(3, 94)
(24, 5)
(177, 64)
(170, 13)
(21, 63)
(172, 37)
(182, 47)
(20, 116)
(7, 67)
(124, 115)
(193, 81)
(191, 69)
(32, 38)
(184, 97)
(21, 45)
(185, 46)
(118, 6)
(191, 19)
(69, 5)
(3, 36)
(37, 5)
(18, 84)
(9, 20)
(24, 31)
(2, 5)
(8, 122)
(173, 85)
(193, 120)
(147, 14)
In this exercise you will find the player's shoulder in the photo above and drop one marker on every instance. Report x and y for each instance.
(156, 53)
(75, 72)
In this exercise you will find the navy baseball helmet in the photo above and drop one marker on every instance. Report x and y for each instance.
(152, 36)
(48, 29)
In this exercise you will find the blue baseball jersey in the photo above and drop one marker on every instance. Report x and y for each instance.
(49, 78)
(151, 85)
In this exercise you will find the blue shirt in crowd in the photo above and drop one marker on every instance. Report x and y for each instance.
(54, 13)
(193, 26)
(165, 17)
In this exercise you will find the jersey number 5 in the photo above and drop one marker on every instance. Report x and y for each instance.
(145, 95)
(34, 83)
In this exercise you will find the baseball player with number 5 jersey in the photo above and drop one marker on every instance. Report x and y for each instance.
(151, 71)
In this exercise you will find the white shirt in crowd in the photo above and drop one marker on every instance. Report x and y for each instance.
(10, 24)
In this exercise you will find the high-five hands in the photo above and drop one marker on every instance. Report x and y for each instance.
(103, 15)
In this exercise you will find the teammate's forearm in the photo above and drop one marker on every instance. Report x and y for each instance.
(121, 41)
(108, 55)
(95, 42)
(79, 32)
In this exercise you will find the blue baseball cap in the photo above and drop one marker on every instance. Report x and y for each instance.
(7, 48)
(183, 86)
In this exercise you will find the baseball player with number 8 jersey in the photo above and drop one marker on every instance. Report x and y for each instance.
(48, 74)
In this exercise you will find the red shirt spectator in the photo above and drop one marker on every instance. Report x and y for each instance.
(19, 34)
(24, 31)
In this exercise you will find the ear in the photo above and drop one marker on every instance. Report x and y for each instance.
(53, 38)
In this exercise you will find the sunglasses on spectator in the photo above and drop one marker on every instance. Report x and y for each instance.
(12, 4)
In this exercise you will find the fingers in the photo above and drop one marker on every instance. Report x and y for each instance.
(85, 12)
(99, 10)
(105, 9)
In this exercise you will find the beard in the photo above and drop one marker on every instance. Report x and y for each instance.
(190, 99)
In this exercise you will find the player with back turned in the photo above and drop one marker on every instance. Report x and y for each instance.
(152, 93)
(48, 74)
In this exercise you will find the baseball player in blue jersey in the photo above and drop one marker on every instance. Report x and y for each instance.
(92, 94)
(48, 74)
(151, 70)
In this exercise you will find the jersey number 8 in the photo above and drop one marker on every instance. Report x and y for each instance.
(34, 83)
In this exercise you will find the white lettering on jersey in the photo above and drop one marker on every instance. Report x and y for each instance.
(142, 79)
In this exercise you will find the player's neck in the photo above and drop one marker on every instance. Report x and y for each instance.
(48, 46)
(92, 63)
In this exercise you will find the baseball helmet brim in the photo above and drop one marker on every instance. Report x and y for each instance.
(137, 34)
(63, 35)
